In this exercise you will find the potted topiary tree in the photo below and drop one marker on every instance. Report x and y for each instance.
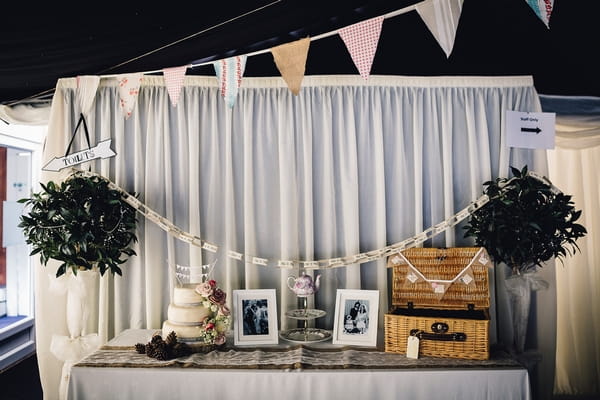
(526, 222)
(81, 222)
(87, 226)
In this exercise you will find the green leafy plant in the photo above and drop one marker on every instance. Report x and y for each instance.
(81, 222)
(526, 222)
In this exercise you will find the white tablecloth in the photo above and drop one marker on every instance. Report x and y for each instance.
(164, 383)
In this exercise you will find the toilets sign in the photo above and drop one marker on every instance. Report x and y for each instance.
(530, 130)
(101, 150)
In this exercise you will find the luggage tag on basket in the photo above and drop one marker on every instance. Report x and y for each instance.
(412, 346)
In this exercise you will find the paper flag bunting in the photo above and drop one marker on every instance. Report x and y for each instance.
(174, 81)
(229, 73)
(86, 91)
(129, 87)
(441, 17)
(439, 288)
(290, 59)
(361, 41)
(543, 9)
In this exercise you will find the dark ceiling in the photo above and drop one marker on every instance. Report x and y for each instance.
(40, 45)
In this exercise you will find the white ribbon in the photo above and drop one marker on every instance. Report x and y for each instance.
(71, 349)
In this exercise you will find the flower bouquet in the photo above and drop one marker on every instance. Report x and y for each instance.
(198, 315)
(218, 321)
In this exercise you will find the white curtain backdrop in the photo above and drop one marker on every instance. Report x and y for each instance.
(347, 166)
(573, 166)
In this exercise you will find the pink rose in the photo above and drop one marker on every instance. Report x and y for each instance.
(209, 326)
(217, 297)
(223, 310)
(204, 289)
(219, 340)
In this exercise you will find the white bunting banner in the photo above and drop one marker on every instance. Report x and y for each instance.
(87, 85)
(129, 88)
(441, 17)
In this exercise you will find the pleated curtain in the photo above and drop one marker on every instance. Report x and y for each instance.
(344, 167)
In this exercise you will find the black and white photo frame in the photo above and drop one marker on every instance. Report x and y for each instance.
(255, 317)
(356, 316)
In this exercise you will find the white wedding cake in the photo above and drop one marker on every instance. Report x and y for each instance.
(198, 314)
(186, 315)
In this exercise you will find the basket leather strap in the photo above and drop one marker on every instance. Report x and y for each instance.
(446, 337)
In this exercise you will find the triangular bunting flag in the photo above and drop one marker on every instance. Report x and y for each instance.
(413, 276)
(86, 91)
(361, 41)
(129, 87)
(543, 9)
(467, 277)
(439, 288)
(229, 73)
(441, 17)
(290, 59)
(174, 81)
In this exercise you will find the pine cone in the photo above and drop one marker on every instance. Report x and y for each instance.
(171, 338)
(181, 350)
(156, 339)
(140, 348)
(161, 354)
(150, 349)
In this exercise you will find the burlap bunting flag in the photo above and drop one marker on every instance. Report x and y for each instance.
(174, 78)
(129, 87)
(290, 59)
(229, 73)
(361, 40)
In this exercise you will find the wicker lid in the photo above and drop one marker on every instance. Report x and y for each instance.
(444, 278)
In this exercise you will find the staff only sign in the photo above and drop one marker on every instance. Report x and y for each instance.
(530, 130)
(101, 150)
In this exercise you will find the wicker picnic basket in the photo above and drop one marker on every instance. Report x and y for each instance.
(441, 296)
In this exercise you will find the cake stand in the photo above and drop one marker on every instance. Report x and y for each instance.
(305, 334)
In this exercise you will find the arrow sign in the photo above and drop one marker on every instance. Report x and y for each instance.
(101, 150)
(536, 130)
(530, 130)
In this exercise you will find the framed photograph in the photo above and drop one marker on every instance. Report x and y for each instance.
(355, 321)
(255, 317)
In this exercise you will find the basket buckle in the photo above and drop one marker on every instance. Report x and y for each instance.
(439, 327)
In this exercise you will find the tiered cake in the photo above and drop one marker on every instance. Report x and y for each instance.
(198, 314)
(186, 315)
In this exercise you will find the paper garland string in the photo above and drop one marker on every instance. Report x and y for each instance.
(336, 262)
(361, 40)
